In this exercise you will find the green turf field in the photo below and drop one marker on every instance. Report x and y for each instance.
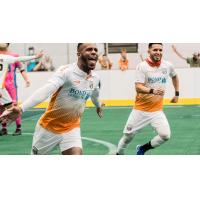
(100, 136)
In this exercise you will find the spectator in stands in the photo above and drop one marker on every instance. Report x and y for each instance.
(123, 61)
(105, 62)
(193, 61)
(31, 65)
(46, 64)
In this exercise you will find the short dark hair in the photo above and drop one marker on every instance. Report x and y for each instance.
(79, 45)
(151, 44)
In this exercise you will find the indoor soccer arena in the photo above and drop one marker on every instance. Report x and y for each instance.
(116, 68)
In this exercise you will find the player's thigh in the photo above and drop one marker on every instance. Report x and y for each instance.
(136, 121)
(71, 143)
(12, 92)
(44, 141)
(160, 124)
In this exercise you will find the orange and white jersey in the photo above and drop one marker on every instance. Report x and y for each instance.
(74, 88)
(152, 77)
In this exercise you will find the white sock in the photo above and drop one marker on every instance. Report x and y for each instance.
(123, 143)
(157, 141)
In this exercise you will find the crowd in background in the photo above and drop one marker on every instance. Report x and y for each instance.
(123, 62)
(106, 63)
(43, 64)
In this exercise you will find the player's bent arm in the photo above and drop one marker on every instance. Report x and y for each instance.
(141, 88)
(25, 77)
(95, 98)
(175, 81)
(96, 102)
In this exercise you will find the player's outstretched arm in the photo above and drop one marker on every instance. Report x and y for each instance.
(11, 114)
(11, 59)
(28, 58)
(177, 53)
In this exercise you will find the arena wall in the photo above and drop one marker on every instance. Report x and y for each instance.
(118, 87)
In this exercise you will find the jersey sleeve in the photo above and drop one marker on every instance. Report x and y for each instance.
(54, 83)
(59, 78)
(172, 71)
(139, 74)
(12, 59)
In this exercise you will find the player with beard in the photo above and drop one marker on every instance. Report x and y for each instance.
(69, 88)
(151, 78)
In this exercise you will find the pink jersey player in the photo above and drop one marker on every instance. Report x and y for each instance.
(11, 87)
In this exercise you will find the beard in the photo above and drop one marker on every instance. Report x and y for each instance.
(89, 63)
(156, 58)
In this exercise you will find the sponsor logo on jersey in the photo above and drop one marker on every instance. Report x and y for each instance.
(79, 94)
(157, 80)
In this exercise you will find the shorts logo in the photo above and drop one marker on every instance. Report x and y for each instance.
(129, 127)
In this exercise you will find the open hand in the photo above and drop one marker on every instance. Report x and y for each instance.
(39, 55)
(100, 110)
(10, 114)
(174, 100)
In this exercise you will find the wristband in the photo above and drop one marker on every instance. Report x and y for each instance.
(151, 91)
(177, 93)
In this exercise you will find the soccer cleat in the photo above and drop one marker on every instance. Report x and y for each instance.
(3, 132)
(139, 150)
(17, 132)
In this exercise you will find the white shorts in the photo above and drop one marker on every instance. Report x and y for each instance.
(139, 119)
(5, 97)
(45, 141)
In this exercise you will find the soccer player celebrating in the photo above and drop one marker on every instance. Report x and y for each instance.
(151, 78)
(70, 88)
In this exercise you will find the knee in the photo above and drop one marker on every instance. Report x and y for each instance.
(128, 137)
(164, 133)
